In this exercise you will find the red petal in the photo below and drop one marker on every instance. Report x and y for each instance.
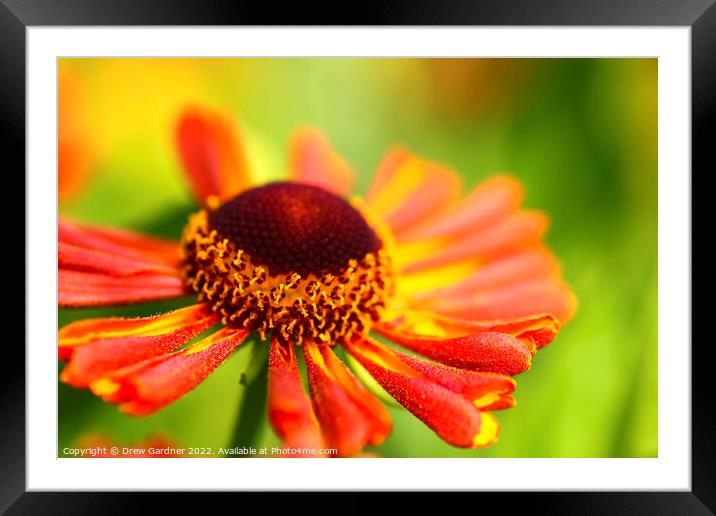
(480, 387)
(485, 351)
(95, 347)
(119, 242)
(535, 331)
(314, 161)
(212, 152)
(518, 230)
(350, 417)
(492, 200)
(289, 410)
(88, 330)
(146, 387)
(452, 416)
(407, 190)
(70, 256)
(99, 266)
(504, 402)
(78, 288)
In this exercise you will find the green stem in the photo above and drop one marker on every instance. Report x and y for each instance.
(252, 409)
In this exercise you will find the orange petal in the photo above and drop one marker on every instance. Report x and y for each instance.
(86, 331)
(314, 161)
(386, 170)
(520, 266)
(520, 229)
(119, 242)
(212, 152)
(350, 417)
(502, 403)
(492, 200)
(534, 331)
(95, 347)
(511, 301)
(407, 190)
(289, 410)
(70, 256)
(146, 387)
(100, 266)
(454, 417)
(482, 388)
(78, 288)
(484, 351)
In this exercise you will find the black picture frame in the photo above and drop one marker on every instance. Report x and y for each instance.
(17, 15)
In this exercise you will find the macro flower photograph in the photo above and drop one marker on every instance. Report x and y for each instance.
(357, 257)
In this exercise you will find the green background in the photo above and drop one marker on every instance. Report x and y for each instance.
(581, 134)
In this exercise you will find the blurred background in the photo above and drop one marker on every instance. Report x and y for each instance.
(581, 134)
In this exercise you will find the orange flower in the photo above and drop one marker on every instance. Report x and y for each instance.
(462, 280)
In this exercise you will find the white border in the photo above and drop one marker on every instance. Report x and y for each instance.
(671, 470)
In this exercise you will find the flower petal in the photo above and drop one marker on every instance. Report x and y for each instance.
(534, 331)
(289, 409)
(95, 347)
(407, 190)
(511, 301)
(79, 288)
(492, 200)
(119, 242)
(100, 266)
(148, 386)
(454, 417)
(518, 267)
(482, 388)
(502, 403)
(86, 331)
(484, 351)
(212, 152)
(73, 257)
(386, 171)
(314, 161)
(520, 229)
(350, 417)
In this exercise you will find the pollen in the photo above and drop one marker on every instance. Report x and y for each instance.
(289, 258)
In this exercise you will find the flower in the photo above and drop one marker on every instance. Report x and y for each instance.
(461, 280)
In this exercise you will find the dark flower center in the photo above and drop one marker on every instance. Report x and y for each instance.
(290, 260)
(292, 227)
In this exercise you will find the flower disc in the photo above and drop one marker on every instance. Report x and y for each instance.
(293, 227)
(289, 257)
